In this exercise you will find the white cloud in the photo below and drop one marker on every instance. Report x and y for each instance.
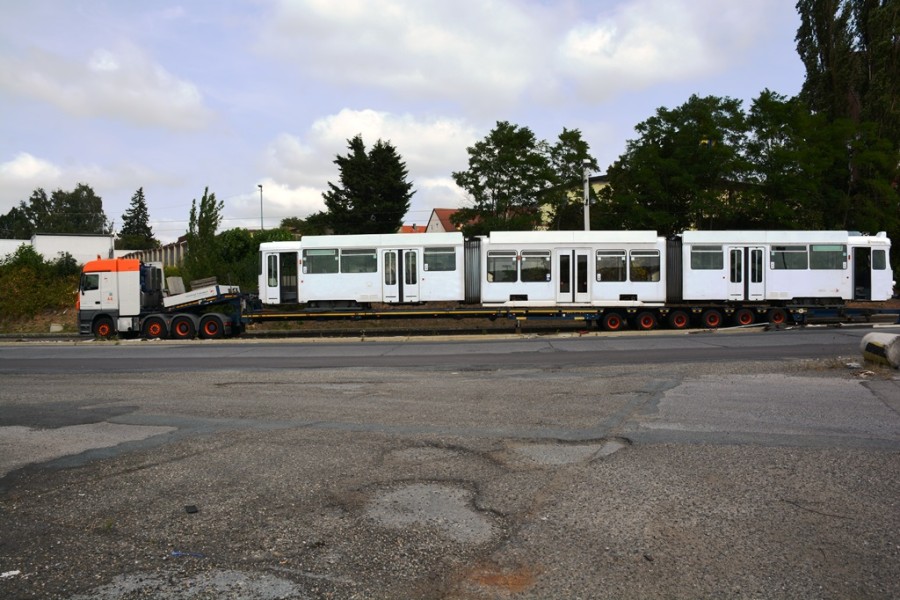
(490, 56)
(122, 84)
(300, 167)
(648, 42)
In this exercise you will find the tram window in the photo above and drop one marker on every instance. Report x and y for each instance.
(707, 258)
(879, 260)
(272, 270)
(536, 265)
(440, 259)
(358, 261)
(832, 256)
(645, 265)
(390, 268)
(501, 266)
(611, 265)
(789, 257)
(756, 265)
(737, 265)
(320, 261)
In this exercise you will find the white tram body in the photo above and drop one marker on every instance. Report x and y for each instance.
(333, 270)
(765, 266)
(578, 268)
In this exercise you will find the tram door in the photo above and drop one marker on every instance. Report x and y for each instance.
(281, 278)
(746, 273)
(572, 268)
(400, 282)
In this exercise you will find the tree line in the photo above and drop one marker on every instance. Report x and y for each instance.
(828, 158)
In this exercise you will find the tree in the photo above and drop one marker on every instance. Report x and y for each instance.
(202, 257)
(851, 51)
(373, 194)
(15, 225)
(567, 165)
(78, 211)
(686, 170)
(509, 176)
(136, 233)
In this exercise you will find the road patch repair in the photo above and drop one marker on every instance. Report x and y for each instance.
(21, 446)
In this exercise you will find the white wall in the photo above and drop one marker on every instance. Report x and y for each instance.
(82, 247)
(8, 247)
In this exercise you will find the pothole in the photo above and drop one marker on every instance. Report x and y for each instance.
(213, 584)
(445, 508)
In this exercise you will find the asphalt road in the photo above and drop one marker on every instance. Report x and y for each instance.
(707, 465)
(503, 352)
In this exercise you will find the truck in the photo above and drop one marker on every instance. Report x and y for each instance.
(126, 297)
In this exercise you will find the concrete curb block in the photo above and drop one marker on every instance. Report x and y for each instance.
(881, 348)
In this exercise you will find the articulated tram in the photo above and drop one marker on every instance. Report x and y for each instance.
(745, 271)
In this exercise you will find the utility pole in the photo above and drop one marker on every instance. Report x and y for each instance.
(587, 194)
(261, 228)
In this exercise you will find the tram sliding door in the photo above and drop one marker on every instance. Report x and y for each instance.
(400, 282)
(572, 268)
(746, 273)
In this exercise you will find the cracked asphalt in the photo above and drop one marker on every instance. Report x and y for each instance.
(738, 480)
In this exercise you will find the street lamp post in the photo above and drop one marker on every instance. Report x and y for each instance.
(261, 228)
(587, 194)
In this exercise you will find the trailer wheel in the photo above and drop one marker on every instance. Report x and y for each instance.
(645, 321)
(613, 321)
(154, 328)
(183, 328)
(744, 316)
(678, 319)
(777, 316)
(711, 318)
(211, 327)
(104, 328)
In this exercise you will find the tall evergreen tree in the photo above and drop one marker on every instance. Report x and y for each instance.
(202, 258)
(373, 194)
(136, 233)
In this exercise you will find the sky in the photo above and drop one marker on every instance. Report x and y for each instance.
(175, 97)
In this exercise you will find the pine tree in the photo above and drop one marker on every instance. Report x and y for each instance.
(136, 233)
(373, 194)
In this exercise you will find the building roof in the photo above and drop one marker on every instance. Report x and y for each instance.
(443, 215)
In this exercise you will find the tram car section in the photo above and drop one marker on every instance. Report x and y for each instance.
(783, 267)
(347, 271)
(572, 268)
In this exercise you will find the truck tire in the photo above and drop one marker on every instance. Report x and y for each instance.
(154, 328)
(183, 328)
(678, 319)
(104, 328)
(711, 319)
(645, 321)
(613, 321)
(211, 327)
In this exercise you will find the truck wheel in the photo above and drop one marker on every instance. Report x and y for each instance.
(613, 321)
(777, 316)
(211, 327)
(645, 321)
(711, 318)
(183, 328)
(744, 316)
(154, 328)
(104, 328)
(678, 319)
